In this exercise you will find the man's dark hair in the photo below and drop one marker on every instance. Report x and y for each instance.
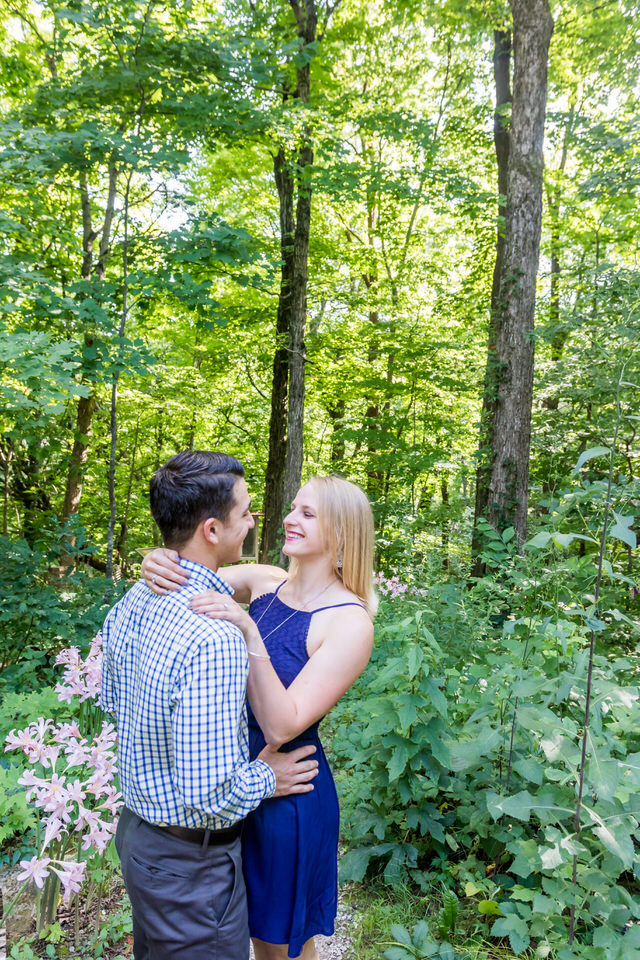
(189, 488)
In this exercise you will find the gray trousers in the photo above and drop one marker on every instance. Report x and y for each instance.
(189, 902)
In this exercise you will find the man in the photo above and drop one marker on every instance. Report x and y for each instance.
(176, 683)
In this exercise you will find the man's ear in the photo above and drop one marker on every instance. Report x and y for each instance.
(210, 528)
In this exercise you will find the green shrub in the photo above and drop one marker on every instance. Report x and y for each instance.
(461, 746)
(41, 612)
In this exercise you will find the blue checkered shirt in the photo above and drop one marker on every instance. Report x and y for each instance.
(176, 683)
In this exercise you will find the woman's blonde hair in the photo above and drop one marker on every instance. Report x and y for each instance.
(346, 524)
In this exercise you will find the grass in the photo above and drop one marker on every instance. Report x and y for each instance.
(378, 907)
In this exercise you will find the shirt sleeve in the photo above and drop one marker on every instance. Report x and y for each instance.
(211, 770)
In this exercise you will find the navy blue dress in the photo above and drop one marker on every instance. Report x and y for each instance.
(290, 844)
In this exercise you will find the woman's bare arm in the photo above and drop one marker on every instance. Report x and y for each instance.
(282, 712)
(162, 572)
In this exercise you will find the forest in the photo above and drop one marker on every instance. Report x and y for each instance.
(396, 241)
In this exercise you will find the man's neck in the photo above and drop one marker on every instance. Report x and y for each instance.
(204, 557)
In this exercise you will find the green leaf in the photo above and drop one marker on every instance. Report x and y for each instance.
(527, 858)
(542, 904)
(407, 711)
(490, 908)
(471, 889)
(398, 761)
(467, 754)
(564, 539)
(621, 531)
(421, 934)
(414, 659)
(551, 857)
(516, 929)
(618, 840)
(603, 774)
(518, 806)
(530, 769)
(354, 863)
(631, 764)
(590, 455)
(401, 934)
(436, 696)
(540, 540)
(615, 834)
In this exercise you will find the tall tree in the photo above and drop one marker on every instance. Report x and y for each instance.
(292, 170)
(510, 361)
(501, 118)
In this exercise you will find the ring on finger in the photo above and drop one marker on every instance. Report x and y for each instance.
(153, 579)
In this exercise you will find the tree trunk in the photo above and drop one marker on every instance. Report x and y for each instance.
(446, 522)
(375, 476)
(336, 414)
(6, 456)
(274, 478)
(29, 490)
(84, 423)
(297, 328)
(113, 423)
(87, 405)
(121, 545)
(501, 65)
(559, 335)
(512, 364)
(292, 175)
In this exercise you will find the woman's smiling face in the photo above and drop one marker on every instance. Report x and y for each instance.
(303, 537)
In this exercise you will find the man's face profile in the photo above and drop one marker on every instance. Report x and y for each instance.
(232, 532)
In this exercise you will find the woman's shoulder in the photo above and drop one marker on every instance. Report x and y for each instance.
(345, 608)
(265, 579)
(251, 580)
(343, 625)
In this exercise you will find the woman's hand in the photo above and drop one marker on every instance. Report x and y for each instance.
(219, 606)
(162, 572)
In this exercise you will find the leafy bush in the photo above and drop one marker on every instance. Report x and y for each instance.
(42, 611)
(463, 741)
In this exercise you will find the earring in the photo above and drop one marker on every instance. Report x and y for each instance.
(339, 563)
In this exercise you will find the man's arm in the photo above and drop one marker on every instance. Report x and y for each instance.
(208, 725)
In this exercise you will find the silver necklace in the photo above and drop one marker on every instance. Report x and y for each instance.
(286, 619)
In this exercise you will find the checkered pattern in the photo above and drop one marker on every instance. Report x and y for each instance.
(176, 683)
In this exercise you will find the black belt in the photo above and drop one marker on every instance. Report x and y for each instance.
(193, 835)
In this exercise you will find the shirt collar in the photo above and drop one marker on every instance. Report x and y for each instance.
(204, 578)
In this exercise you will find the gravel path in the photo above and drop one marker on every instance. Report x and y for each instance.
(335, 947)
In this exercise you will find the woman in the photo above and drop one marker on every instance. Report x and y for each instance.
(309, 636)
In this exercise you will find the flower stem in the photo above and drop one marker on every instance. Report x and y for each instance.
(5, 915)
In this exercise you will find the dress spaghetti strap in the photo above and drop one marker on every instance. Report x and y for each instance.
(334, 606)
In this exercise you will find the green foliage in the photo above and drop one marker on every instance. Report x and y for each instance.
(463, 740)
(16, 815)
(45, 606)
(418, 944)
(460, 745)
(448, 916)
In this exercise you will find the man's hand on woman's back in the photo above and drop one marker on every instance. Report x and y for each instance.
(294, 772)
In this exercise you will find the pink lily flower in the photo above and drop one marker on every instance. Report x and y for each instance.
(34, 870)
(71, 873)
